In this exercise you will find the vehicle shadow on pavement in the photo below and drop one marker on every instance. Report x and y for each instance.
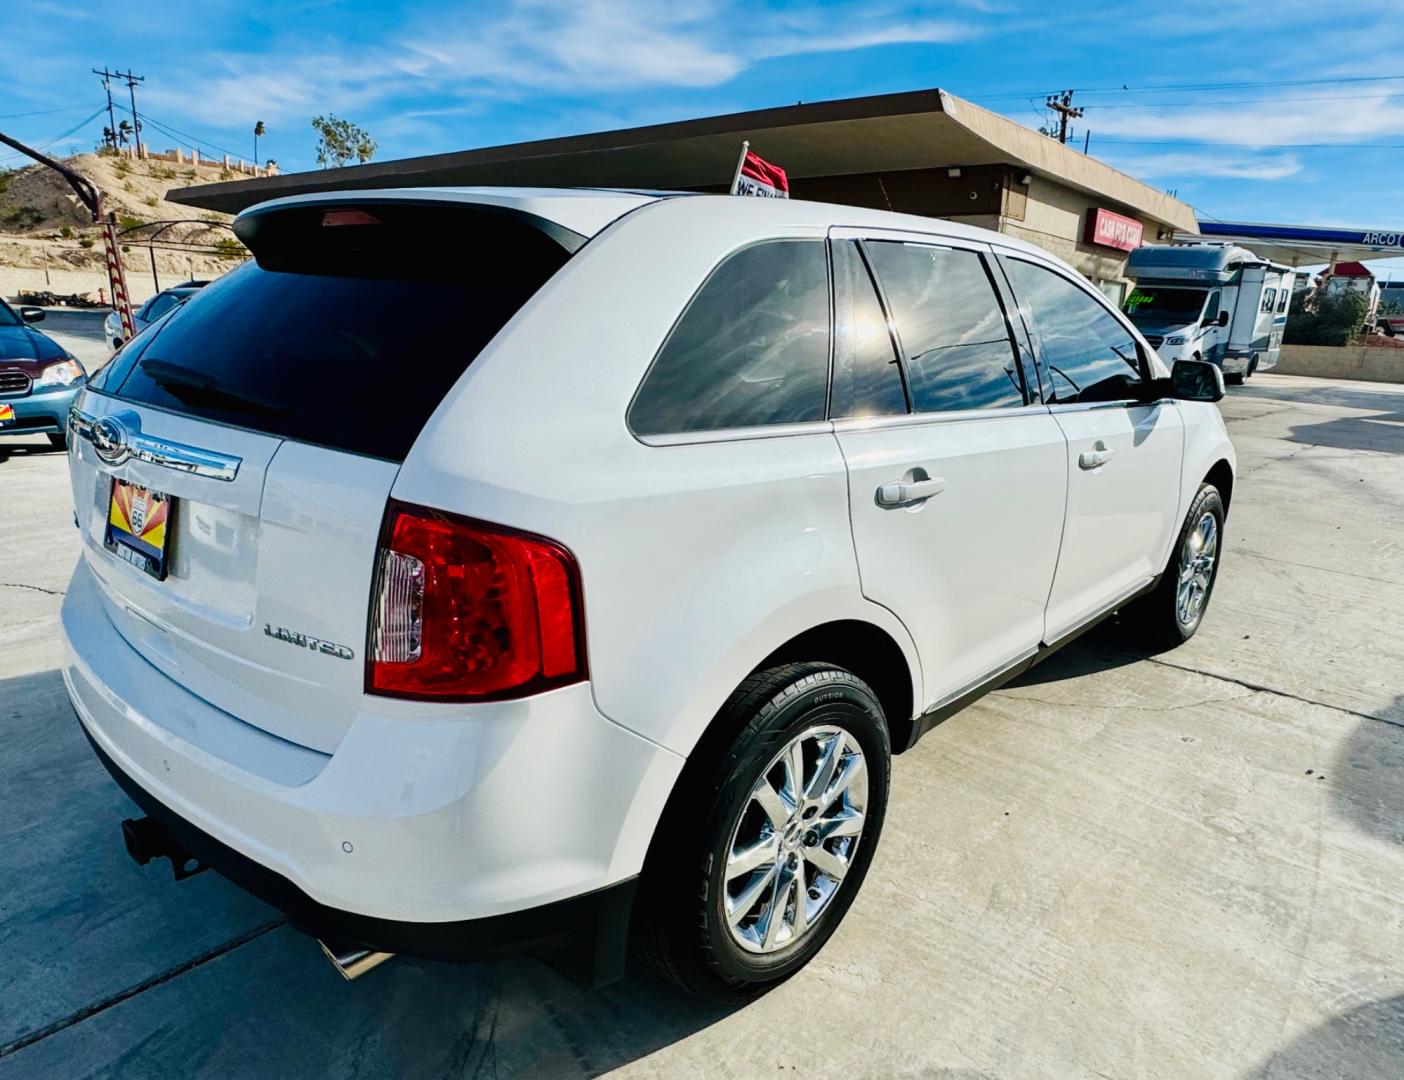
(1382, 432)
(1366, 1039)
(1103, 648)
(27, 450)
(108, 968)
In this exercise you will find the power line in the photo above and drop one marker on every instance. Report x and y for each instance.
(43, 112)
(46, 143)
(1194, 88)
(1240, 101)
(182, 136)
(1193, 141)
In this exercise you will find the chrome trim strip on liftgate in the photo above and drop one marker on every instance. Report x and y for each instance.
(118, 438)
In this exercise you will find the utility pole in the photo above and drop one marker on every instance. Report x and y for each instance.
(111, 118)
(132, 80)
(1063, 106)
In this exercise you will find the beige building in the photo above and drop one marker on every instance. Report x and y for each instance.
(924, 152)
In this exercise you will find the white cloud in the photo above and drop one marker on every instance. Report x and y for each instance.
(1208, 162)
(553, 46)
(1347, 119)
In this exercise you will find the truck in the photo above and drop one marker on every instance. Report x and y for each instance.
(1215, 302)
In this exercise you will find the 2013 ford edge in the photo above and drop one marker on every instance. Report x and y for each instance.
(538, 568)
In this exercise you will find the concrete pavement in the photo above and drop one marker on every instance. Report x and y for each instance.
(1185, 865)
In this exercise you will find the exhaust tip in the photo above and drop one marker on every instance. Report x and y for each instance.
(352, 961)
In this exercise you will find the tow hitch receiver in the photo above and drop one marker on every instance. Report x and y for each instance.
(146, 840)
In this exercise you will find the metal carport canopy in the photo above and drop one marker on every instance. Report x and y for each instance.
(885, 133)
(1305, 245)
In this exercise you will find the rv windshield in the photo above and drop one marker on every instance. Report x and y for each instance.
(1153, 303)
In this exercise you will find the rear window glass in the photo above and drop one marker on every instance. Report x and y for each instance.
(346, 336)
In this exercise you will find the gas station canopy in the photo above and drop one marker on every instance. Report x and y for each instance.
(1303, 245)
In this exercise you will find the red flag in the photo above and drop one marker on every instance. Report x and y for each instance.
(756, 176)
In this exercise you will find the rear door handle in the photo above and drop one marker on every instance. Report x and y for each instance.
(906, 492)
(1097, 456)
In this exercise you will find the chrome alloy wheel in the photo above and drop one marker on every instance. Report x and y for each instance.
(795, 839)
(1197, 557)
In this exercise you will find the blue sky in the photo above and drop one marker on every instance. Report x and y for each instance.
(429, 75)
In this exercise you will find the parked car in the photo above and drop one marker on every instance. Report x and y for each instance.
(147, 314)
(1391, 324)
(587, 586)
(38, 377)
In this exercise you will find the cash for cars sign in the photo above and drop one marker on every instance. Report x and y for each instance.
(756, 176)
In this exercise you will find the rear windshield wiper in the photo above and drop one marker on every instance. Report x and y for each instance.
(191, 388)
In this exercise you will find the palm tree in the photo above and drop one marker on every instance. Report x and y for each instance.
(258, 133)
(124, 132)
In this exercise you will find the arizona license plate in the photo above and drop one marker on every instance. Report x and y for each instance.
(7, 415)
(138, 527)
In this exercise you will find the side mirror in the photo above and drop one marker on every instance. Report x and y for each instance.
(32, 314)
(1196, 380)
(1223, 318)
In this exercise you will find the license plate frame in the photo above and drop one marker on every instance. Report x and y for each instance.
(139, 527)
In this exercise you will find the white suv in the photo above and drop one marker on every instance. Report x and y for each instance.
(499, 569)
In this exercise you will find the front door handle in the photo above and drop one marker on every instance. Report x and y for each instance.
(1099, 455)
(906, 492)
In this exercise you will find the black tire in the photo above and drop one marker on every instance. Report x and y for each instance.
(1155, 617)
(681, 925)
(58, 440)
(1234, 378)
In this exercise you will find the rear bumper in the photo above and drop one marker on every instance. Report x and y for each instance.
(425, 821)
(594, 925)
(42, 412)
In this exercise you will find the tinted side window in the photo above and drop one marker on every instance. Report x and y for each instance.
(158, 306)
(1269, 299)
(867, 374)
(1087, 355)
(958, 350)
(752, 347)
(1282, 301)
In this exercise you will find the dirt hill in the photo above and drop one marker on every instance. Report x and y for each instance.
(43, 225)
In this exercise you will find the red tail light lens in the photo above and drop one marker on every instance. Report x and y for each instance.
(463, 611)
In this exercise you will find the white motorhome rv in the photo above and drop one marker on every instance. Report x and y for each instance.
(1216, 302)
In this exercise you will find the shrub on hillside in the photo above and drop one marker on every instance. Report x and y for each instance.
(1333, 319)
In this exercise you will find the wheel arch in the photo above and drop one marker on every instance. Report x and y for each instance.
(864, 648)
(1220, 475)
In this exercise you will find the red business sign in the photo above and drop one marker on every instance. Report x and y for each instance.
(1113, 230)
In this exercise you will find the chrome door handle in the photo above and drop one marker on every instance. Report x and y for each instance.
(906, 492)
(118, 438)
(1097, 456)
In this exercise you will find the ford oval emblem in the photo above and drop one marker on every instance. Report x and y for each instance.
(110, 440)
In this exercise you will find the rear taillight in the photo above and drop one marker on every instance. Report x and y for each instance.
(462, 610)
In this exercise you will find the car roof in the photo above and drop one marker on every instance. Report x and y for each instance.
(588, 210)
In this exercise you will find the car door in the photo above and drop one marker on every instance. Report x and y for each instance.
(1124, 453)
(956, 481)
(1210, 342)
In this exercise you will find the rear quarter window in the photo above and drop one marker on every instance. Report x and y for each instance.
(751, 349)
